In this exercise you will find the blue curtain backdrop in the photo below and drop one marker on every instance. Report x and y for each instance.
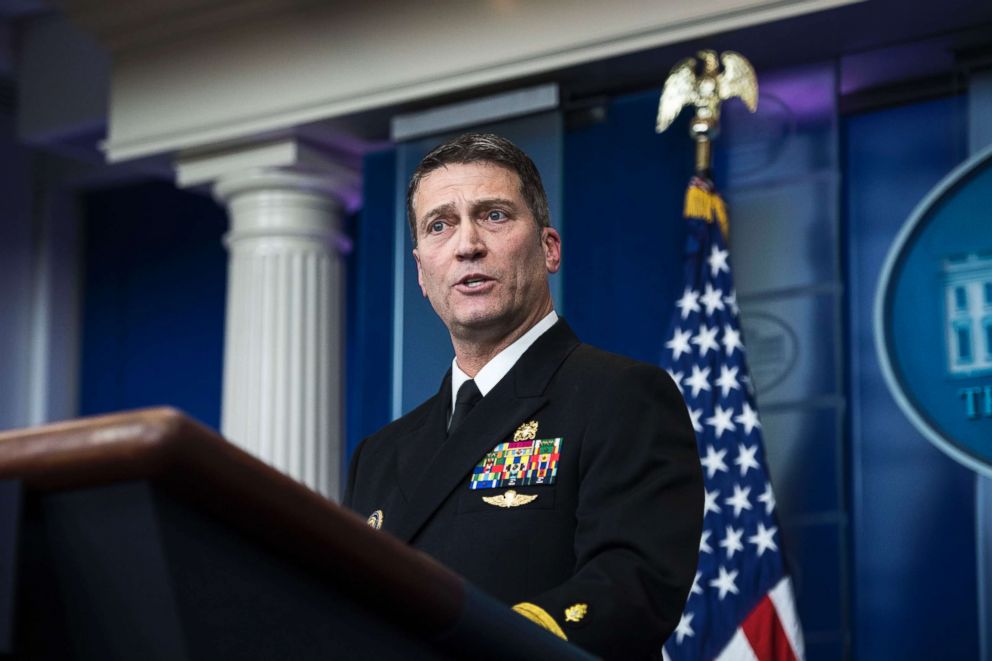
(624, 191)
(153, 301)
(370, 296)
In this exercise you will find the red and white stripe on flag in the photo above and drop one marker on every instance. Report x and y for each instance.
(770, 632)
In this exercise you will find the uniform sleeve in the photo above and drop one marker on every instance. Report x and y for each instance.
(638, 523)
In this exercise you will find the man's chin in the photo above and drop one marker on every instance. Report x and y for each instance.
(478, 325)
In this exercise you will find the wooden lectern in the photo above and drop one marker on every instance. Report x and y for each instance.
(145, 535)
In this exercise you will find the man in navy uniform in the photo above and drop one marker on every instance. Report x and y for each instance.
(561, 479)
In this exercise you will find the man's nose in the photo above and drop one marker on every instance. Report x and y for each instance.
(469, 240)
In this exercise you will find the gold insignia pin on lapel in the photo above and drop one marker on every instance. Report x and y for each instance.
(576, 612)
(510, 499)
(375, 520)
(526, 431)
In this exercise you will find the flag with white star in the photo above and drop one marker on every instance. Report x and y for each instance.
(741, 604)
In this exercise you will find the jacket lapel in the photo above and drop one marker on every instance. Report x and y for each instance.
(413, 453)
(514, 399)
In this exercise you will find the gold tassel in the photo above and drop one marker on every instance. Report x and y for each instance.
(708, 206)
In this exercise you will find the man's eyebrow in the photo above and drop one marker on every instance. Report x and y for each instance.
(439, 210)
(490, 202)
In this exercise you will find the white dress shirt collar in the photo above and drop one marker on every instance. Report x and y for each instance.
(494, 371)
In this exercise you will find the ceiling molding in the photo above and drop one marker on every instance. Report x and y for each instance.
(324, 60)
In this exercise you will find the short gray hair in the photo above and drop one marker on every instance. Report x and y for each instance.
(483, 148)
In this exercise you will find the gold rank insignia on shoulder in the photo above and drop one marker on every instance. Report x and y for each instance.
(375, 520)
(576, 612)
(510, 499)
(526, 432)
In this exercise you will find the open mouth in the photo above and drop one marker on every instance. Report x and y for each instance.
(474, 281)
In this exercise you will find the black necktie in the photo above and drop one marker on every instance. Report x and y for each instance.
(468, 396)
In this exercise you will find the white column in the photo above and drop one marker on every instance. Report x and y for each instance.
(283, 359)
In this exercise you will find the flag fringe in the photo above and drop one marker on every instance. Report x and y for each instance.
(706, 205)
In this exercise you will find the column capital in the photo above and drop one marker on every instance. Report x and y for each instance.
(274, 203)
(328, 183)
(278, 164)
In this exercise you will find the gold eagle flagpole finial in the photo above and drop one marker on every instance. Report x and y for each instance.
(706, 91)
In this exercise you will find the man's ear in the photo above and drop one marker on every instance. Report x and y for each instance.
(420, 273)
(551, 244)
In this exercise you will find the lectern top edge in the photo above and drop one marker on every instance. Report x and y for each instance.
(185, 458)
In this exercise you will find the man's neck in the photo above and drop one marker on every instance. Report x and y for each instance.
(473, 354)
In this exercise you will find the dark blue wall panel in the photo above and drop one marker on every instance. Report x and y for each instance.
(370, 309)
(624, 189)
(153, 301)
(912, 508)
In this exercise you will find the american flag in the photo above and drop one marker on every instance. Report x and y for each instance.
(741, 604)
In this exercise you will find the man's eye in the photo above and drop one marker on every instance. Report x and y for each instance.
(496, 215)
(436, 227)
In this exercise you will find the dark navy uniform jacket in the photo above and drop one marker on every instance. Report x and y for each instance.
(618, 530)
